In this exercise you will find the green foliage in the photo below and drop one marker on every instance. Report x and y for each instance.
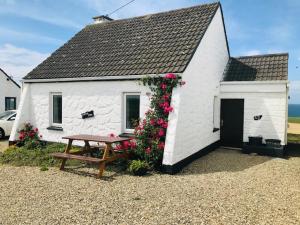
(150, 134)
(39, 156)
(294, 119)
(294, 138)
(138, 167)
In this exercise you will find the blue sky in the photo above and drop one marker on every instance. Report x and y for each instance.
(31, 29)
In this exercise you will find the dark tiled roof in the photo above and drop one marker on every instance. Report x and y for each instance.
(257, 68)
(152, 44)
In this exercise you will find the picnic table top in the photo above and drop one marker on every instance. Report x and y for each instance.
(96, 138)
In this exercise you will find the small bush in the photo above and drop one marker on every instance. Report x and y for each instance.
(39, 156)
(29, 137)
(138, 167)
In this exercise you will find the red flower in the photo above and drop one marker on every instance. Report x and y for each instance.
(133, 144)
(148, 150)
(161, 132)
(168, 109)
(36, 130)
(170, 76)
(126, 144)
(161, 145)
(164, 104)
(152, 122)
(163, 86)
(164, 125)
(119, 147)
(166, 97)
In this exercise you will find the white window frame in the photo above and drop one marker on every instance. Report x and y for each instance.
(216, 112)
(124, 110)
(51, 109)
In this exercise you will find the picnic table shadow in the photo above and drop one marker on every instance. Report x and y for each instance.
(86, 170)
(224, 160)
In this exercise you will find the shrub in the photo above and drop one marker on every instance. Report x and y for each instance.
(138, 167)
(151, 132)
(39, 156)
(29, 137)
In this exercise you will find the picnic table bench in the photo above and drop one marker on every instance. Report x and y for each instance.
(109, 154)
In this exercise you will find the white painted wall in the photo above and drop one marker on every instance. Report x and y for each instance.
(191, 125)
(104, 97)
(268, 99)
(8, 89)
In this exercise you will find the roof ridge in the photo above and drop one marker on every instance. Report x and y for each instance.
(158, 13)
(9, 77)
(261, 55)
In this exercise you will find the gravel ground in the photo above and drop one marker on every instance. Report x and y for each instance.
(224, 187)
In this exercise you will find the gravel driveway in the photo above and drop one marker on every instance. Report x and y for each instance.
(224, 187)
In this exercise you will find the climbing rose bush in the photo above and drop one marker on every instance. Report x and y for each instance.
(150, 134)
(29, 136)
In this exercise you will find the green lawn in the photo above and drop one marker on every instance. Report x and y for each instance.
(294, 119)
(294, 138)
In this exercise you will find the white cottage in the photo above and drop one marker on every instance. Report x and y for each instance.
(224, 101)
(9, 92)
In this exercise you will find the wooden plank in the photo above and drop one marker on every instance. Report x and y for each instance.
(77, 157)
(68, 148)
(95, 138)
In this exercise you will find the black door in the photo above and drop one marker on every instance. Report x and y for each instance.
(232, 122)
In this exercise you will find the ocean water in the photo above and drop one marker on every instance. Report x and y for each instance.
(294, 110)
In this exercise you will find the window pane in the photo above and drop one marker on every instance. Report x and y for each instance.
(10, 103)
(57, 109)
(132, 110)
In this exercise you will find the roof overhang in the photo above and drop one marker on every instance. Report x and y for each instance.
(102, 78)
(254, 82)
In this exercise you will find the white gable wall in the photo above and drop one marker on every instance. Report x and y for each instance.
(268, 99)
(191, 125)
(7, 89)
(104, 97)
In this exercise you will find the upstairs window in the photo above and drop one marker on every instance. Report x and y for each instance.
(56, 109)
(10, 103)
(131, 111)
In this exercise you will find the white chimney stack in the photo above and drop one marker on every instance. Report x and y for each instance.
(101, 19)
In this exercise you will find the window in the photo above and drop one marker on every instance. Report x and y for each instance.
(56, 106)
(131, 111)
(10, 103)
(216, 114)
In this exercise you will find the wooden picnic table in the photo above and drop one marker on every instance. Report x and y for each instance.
(109, 154)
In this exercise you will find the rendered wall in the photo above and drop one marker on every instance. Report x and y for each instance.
(7, 89)
(191, 125)
(104, 97)
(266, 99)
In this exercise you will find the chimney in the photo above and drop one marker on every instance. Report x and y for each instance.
(101, 19)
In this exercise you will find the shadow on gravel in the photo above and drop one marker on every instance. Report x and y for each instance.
(224, 160)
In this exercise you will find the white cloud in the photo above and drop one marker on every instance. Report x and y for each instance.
(31, 37)
(37, 11)
(252, 52)
(17, 62)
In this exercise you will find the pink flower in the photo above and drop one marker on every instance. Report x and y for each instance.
(152, 122)
(170, 76)
(163, 86)
(168, 109)
(164, 125)
(119, 147)
(160, 121)
(133, 144)
(182, 83)
(111, 135)
(161, 145)
(148, 150)
(166, 97)
(164, 104)
(36, 130)
(126, 144)
(161, 132)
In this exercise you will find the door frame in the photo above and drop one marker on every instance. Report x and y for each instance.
(221, 121)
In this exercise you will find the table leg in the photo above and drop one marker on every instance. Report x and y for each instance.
(68, 148)
(105, 156)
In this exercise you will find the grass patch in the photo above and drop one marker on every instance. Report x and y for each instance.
(294, 138)
(294, 120)
(21, 156)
